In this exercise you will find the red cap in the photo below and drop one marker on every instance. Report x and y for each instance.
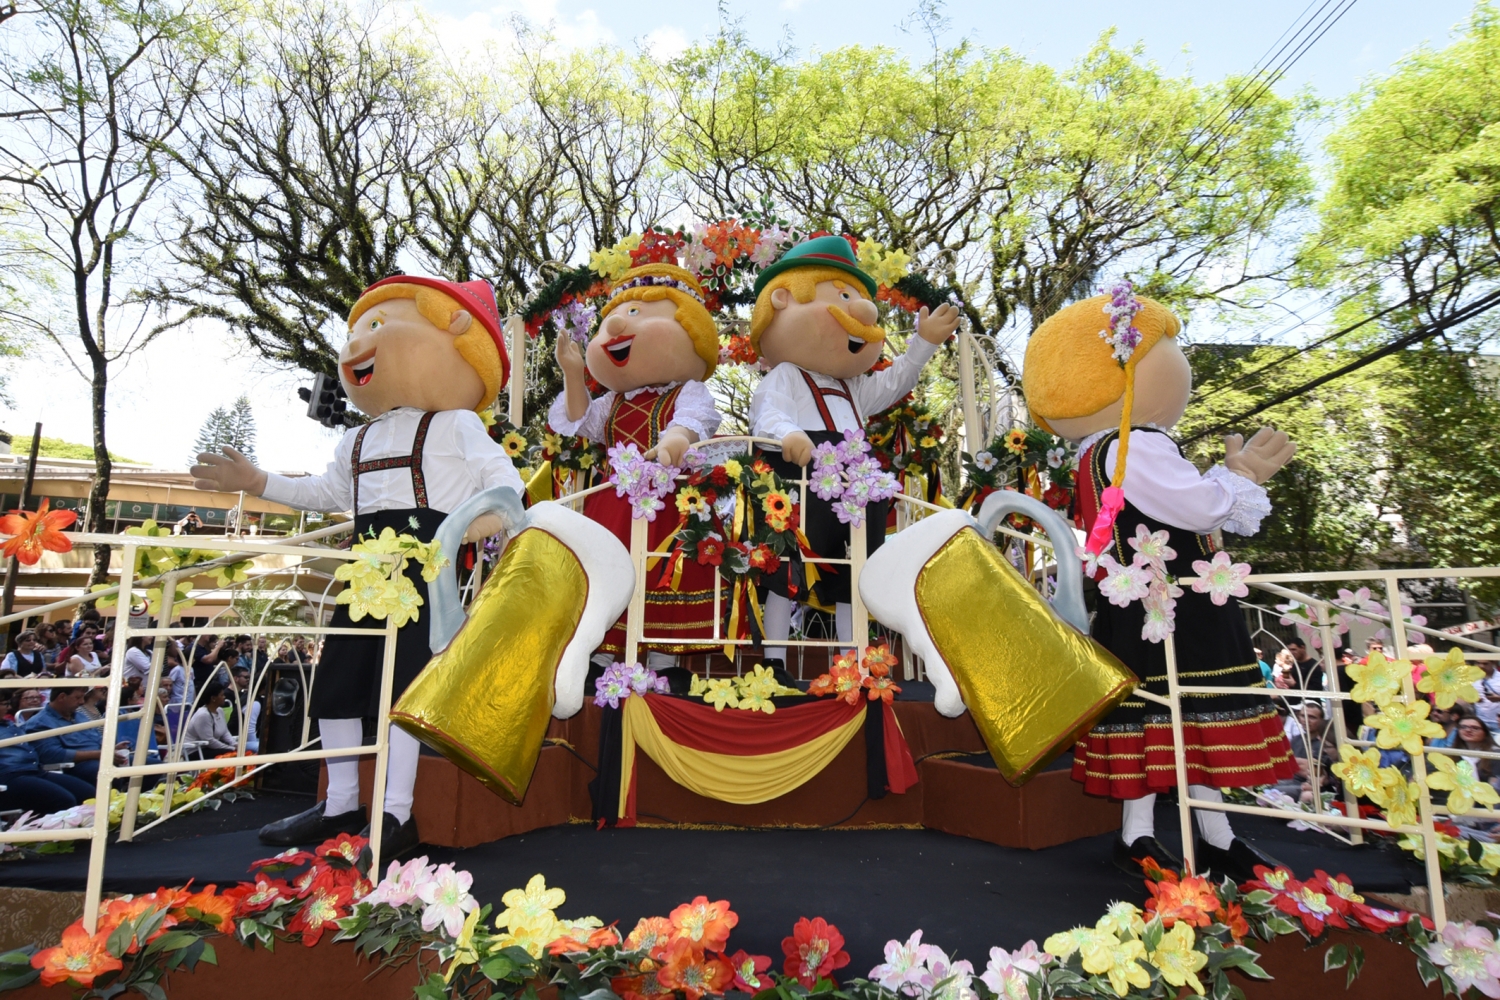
(477, 298)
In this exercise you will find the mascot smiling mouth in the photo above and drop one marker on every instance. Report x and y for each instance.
(619, 350)
(360, 370)
(860, 335)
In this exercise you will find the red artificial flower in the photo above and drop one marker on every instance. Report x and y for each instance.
(814, 950)
(718, 476)
(1379, 921)
(1191, 900)
(33, 531)
(705, 924)
(760, 466)
(763, 559)
(900, 300)
(692, 971)
(79, 959)
(1154, 871)
(262, 894)
(730, 240)
(711, 552)
(289, 858)
(324, 908)
(1057, 497)
(343, 847)
(748, 970)
(656, 248)
(1305, 902)
(881, 689)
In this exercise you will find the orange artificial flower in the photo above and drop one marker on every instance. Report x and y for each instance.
(1233, 917)
(705, 924)
(79, 959)
(600, 938)
(643, 987)
(688, 969)
(821, 686)
(209, 908)
(31, 532)
(651, 935)
(120, 911)
(881, 688)
(1191, 900)
(879, 660)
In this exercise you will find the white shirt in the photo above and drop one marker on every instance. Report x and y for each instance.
(1168, 488)
(458, 460)
(137, 663)
(694, 410)
(783, 403)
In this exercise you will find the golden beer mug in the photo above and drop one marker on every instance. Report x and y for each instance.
(521, 655)
(1025, 670)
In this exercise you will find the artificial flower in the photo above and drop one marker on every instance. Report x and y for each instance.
(343, 846)
(1122, 919)
(879, 660)
(322, 910)
(399, 887)
(1221, 578)
(1151, 548)
(610, 264)
(692, 971)
(956, 978)
(529, 904)
(447, 901)
(1056, 457)
(1232, 916)
(1464, 951)
(1006, 973)
(881, 688)
(813, 951)
(34, 531)
(986, 461)
(532, 938)
(690, 502)
(722, 693)
(229, 574)
(210, 908)
(262, 894)
(1361, 773)
(905, 965)
(732, 468)
(1124, 584)
(1177, 960)
(464, 952)
(1378, 679)
(1015, 441)
(706, 925)
(748, 970)
(1065, 943)
(1191, 900)
(79, 959)
(651, 935)
(1106, 955)
(711, 551)
(514, 443)
(1404, 726)
(1449, 679)
(764, 559)
(577, 941)
(1462, 783)
(1401, 798)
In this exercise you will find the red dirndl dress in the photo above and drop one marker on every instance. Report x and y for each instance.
(671, 615)
(1231, 740)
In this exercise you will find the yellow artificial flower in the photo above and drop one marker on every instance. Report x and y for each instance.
(697, 686)
(1378, 680)
(1107, 955)
(720, 692)
(928, 442)
(1463, 785)
(893, 266)
(487, 417)
(868, 253)
(585, 460)
(231, 574)
(1450, 679)
(1178, 961)
(1066, 943)
(533, 937)
(1015, 441)
(110, 600)
(464, 952)
(690, 501)
(609, 264)
(552, 443)
(529, 905)
(1489, 859)
(755, 701)
(514, 443)
(403, 602)
(732, 468)
(1404, 726)
(1361, 772)
(1401, 797)
(372, 598)
(1122, 919)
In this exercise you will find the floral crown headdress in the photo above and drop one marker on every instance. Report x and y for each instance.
(1123, 338)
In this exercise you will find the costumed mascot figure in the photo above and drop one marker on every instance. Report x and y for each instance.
(814, 324)
(423, 357)
(1107, 373)
(656, 344)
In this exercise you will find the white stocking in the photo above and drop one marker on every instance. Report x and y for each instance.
(343, 772)
(777, 615)
(401, 773)
(1213, 826)
(1139, 819)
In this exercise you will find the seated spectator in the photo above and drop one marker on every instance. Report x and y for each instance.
(82, 659)
(47, 639)
(207, 725)
(89, 619)
(1448, 719)
(1311, 749)
(1265, 668)
(93, 703)
(83, 748)
(138, 656)
(27, 658)
(27, 786)
(1309, 672)
(27, 700)
(134, 698)
(181, 691)
(1470, 733)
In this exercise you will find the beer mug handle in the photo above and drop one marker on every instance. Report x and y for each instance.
(1067, 601)
(442, 594)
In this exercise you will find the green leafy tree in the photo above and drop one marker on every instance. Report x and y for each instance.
(233, 426)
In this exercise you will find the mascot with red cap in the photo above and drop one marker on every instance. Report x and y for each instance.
(424, 356)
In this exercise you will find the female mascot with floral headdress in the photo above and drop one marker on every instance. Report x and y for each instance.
(1108, 374)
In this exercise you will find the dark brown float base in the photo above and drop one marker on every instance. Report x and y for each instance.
(334, 972)
(454, 810)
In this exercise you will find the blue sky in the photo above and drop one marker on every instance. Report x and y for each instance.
(153, 421)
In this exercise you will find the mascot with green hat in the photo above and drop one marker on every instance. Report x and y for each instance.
(814, 325)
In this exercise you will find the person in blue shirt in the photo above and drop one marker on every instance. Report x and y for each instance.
(27, 786)
(83, 748)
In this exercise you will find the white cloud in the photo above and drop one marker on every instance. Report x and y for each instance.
(665, 42)
(792, 5)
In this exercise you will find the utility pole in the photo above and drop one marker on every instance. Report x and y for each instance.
(14, 567)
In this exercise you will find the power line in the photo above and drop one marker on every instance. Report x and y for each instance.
(1475, 308)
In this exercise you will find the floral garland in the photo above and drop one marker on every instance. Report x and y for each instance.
(1121, 334)
(1189, 936)
(620, 681)
(851, 677)
(1296, 615)
(905, 436)
(377, 585)
(750, 692)
(641, 481)
(1045, 463)
(847, 475)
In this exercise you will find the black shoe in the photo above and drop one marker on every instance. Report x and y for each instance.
(1238, 862)
(779, 670)
(310, 827)
(396, 840)
(1128, 856)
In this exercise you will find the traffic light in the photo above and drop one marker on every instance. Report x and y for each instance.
(327, 404)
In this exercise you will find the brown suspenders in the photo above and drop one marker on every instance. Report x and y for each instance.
(412, 462)
(818, 392)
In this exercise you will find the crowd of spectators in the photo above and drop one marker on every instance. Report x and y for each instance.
(211, 692)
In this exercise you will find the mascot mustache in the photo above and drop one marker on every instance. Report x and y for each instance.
(853, 327)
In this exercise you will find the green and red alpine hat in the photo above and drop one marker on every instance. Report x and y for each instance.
(824, 251)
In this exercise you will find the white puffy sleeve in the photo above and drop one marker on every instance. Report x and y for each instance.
(332, 491)
(1169, 488)
(880, 390)
(486, 461)
(773, 408)
(590, 425)
(695, 410)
